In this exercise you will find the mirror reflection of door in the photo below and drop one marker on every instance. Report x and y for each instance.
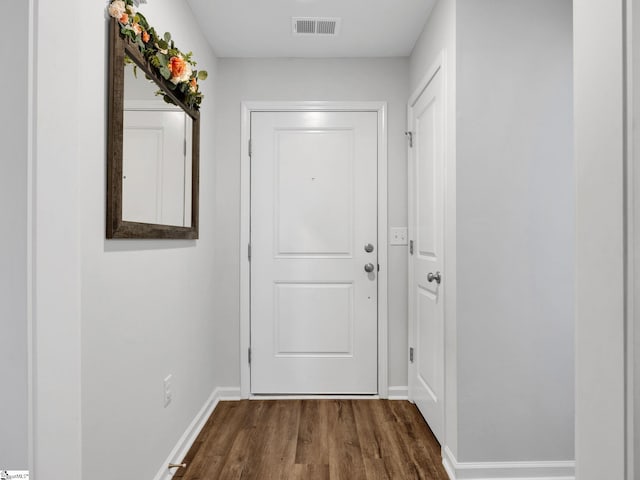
(156, 181)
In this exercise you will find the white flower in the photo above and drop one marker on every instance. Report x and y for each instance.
(117, 9)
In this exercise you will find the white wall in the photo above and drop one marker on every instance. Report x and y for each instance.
(439, 33)
(599, 152)
(509, 368)
(633, 393)
(56, 257)
(14, 39)
(304, 79)
(147, 306)
(515, 230)
(113, 318)
(438, 36)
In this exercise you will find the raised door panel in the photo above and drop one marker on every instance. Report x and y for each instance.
(314, 320)
(314, 192)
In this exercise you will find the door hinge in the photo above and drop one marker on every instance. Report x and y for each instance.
(411, 354)
(249, 252)
(411, 247)
(410, 137)
(250, 150)
(249, 355)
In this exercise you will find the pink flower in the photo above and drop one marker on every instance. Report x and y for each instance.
(180, 70)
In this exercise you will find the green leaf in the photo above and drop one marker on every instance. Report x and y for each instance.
(142, 20)
(164, 71)
(152, 52)
(153, 60)
(168, 99)
(162, 58)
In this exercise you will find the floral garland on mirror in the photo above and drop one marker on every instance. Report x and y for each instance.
(161, 53)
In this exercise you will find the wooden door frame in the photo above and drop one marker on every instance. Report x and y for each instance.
(247, 107)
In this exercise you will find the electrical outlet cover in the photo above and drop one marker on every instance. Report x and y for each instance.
(168, 395)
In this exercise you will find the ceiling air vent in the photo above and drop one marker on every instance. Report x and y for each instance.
(315, 26)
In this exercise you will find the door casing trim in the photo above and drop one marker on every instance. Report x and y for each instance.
(245, 214)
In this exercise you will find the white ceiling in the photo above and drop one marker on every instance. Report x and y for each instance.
(262, 28)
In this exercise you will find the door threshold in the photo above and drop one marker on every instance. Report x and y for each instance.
(340, 396)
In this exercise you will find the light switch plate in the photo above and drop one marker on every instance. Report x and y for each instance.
(398, 236)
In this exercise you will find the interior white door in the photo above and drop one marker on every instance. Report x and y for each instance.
(426, 276)
(313, 217)
(156, 185)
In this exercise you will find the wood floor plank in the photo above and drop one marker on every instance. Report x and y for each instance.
(368, 430)
(376, 469)
(314, 440)
(382, 424)
(307, 472)
(233, 440)
(422, 448)
(275, 444)
(345, 455)
(225, 415)
(312, 446)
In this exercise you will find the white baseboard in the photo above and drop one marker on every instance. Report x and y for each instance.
(399, 393)
(507, 470)
(186, 441)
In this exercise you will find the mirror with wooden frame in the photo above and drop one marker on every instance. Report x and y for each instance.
(152, 151)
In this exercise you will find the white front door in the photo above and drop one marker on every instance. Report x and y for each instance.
(313, 222)
(426, 275)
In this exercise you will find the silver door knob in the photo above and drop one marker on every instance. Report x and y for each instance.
(431, 277)
(369, 267)
(368, 248)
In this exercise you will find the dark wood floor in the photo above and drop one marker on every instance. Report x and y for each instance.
(314, 439)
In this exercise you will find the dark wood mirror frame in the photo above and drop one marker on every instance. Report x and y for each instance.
(116, 226)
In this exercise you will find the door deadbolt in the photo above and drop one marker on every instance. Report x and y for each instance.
(431, 277)
(368, 248)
